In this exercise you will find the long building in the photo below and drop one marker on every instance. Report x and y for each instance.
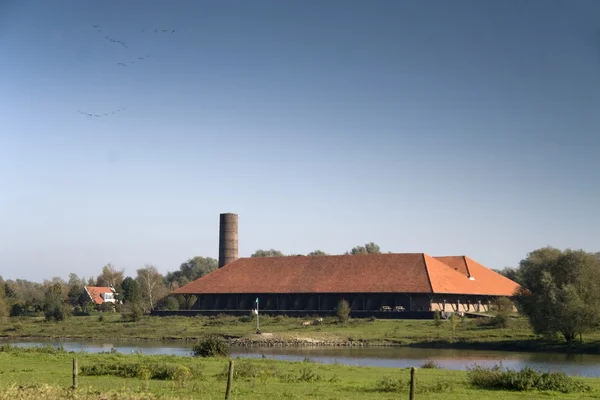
(414, 282)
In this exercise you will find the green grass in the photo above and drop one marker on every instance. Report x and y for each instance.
(470, 333)
(32, 374)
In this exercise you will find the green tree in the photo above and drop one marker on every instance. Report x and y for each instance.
(110, 276)
(511, 273)
(343, 311)
(369, 248)
(130, 290)
(562, 294)
(4, 308)
(317, 253)
(54, 303)
(267, 253)
(454, 320)
(76, 286)
(192, 269)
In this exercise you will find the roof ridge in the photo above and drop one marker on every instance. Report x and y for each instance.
(469, 275)
(427, 271)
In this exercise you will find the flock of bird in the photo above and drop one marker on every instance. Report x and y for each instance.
(101, 115)
(99, 29)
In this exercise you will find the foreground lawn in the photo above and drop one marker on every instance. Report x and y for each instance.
(469, 333)
(31, 374)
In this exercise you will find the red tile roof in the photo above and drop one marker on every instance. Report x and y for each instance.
(95, 291)
(391, 273)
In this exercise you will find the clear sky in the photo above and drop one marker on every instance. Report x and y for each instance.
(445, 127)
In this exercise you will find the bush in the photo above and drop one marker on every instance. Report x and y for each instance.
(211, 346)
(391, 385)
(58, 312)
(17, 310)
(132, 312)
(144, 371)
(107, 307)
(430, 364)
(343, 311)
(169, 303)
(387, 384)
(4, 311)
(502, 320)
(437, 319)
(182, 375)
(498, 378)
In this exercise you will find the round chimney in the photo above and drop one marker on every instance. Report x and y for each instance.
(228, 239)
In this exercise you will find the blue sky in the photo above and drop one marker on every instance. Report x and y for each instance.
(463, 127)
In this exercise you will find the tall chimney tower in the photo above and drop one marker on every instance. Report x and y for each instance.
(228, 239)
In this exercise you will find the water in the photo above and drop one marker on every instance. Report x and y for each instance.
(394, 357)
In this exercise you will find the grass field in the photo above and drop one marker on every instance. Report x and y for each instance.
(46, 373)
(470, 333)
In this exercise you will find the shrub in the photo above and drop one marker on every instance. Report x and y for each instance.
(132, 312)
(437, 319)
(343, 311)
(58, 312)
(501, 320)
(182, 375)
(211, 346)
(498, 378)
(169, 303)
(387, 384)
(4, 311)
(17, 310)
(431, 365)
(107, 307)
(144, 371)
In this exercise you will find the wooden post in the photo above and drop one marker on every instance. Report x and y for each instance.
(413, 383)
(75, 369)
(229, 380)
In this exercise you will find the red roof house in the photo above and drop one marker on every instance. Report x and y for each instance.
(100, 294)
(412, 281)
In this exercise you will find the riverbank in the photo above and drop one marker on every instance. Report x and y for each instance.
(47, 373)
(281, 331)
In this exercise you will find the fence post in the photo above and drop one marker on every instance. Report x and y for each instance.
(75, 369)
(229, 380)
(413, 383)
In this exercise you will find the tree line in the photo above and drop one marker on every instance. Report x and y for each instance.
(559, 294)
(147, 290)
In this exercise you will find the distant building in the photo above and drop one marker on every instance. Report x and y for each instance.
(370, 282)
(395, 282)
(99, 294)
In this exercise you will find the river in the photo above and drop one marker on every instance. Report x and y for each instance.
(394, 357)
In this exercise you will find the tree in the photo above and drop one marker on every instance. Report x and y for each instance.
(130, 290)
(317, 253)
(4, 309)
(343, 311)
(54, 303)
(76, 286)
(267, 253)
(110, 276)
(152, 287)
(511, 273)
(192, 269)
(562, 294)
(369, 248)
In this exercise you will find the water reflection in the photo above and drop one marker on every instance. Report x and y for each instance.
(457, 359)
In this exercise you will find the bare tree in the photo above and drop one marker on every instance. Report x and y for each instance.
(152, 286)
(110, 276)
